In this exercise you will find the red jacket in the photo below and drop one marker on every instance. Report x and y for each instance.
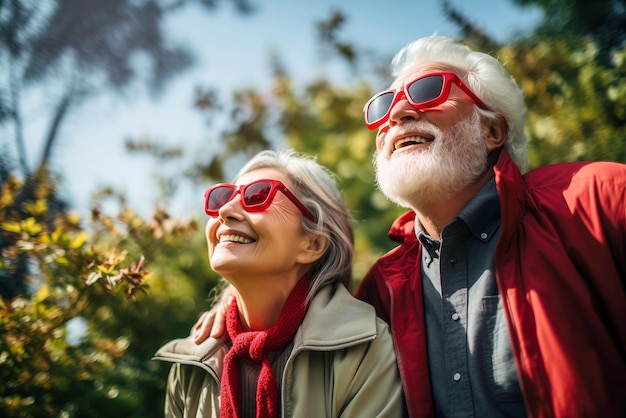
(561, 271)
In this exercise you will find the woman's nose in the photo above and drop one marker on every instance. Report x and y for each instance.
(231, 209)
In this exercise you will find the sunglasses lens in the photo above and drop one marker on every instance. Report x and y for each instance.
(379, 107)
(426, 89)
(256, 194)
(219, 197)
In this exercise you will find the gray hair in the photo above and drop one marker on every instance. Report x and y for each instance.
(316, 188)
(483, 74)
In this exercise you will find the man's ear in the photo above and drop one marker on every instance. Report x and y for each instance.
(313, 248)
(496, 131)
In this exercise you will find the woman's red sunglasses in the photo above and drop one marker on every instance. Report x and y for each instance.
(255, 197)
(426, 91)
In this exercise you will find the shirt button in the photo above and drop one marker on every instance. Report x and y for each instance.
(457, 377)
(452, 261)
(455, 317)
(483, 235)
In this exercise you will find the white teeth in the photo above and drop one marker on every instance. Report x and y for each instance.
(411, 140)
(235, 238)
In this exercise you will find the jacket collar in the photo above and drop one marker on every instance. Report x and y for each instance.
(336, 320)
(512, 190)
(333, 320)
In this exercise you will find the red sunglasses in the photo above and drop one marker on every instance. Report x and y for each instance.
(255, 197)
(426, 91)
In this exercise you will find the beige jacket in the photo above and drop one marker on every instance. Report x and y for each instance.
(342, 365)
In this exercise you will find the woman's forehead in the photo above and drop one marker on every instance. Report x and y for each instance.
(262, 173)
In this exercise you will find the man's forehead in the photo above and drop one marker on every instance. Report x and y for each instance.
(419, 70)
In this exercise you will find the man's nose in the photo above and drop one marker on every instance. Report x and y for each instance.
(402, 111)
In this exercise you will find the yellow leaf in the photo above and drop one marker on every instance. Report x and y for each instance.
(105, 270)
(31, 226)
(42, 294)
(79, 240)
(11, 227)
(36, 208)
(57, 234)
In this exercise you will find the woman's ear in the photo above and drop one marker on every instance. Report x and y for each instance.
(496, 132)
(313, 248)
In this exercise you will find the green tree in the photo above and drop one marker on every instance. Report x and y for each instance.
(571, 69)
(94, 272)
(38, 363)
(577, 106)
(56, 269)
(603, 21)
(69, 51)
(82, 49)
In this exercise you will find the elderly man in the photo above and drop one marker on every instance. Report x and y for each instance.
(506, 294)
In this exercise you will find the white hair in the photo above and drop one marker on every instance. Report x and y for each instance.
(483, 74)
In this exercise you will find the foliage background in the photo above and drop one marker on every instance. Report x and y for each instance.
(131, 282)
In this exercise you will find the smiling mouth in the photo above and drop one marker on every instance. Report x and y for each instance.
(235, 238)
(411, 140)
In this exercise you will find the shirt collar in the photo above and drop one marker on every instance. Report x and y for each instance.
(481, 214)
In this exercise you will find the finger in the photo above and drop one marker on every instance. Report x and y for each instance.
(201, 332)
(218, 323)
(199, 322)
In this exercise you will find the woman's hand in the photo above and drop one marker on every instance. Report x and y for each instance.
(212, 323)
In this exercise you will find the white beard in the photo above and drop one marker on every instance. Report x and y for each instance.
(455, 159)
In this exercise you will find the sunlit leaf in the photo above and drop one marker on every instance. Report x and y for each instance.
(37, 207)
(41, 294)
(93, 277)
(11, 226)
(79, 240)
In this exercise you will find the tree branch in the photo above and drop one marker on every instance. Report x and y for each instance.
(59, 115)
(16, 116)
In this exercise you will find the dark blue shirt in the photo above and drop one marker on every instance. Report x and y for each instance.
(472, 370)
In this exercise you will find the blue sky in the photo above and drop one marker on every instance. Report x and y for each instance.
(232, 52)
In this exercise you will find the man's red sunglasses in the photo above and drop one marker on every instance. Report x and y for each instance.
(426, 91)
(255, 197)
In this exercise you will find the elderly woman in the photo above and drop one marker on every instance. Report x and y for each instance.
(297, 343)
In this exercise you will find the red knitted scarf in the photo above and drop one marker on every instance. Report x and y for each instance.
(255, 345)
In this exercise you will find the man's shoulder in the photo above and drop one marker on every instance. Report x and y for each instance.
(572, 172)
